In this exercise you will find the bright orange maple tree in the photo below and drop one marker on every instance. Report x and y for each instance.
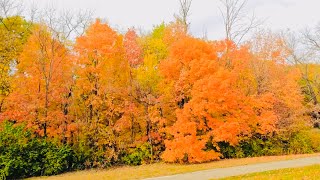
(213, 103)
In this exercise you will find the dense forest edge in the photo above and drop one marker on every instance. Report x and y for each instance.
(105, 98)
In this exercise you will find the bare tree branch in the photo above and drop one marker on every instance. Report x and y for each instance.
(236, 23)
(312, 38)
(184, 13)
(10, 8)
(66, 24)
(303, 53)
(33, 13)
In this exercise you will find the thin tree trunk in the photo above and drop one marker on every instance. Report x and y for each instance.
(132, 129)
(146, 107)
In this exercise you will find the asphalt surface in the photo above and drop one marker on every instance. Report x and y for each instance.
(241, 170)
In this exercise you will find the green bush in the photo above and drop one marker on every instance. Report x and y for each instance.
(305, 142)
(300, 143)
(138, 156)
(253, 147)
(315, 139)
(93, 156)
(22, 155)
(297, 143)
(227, 151)
(264, 146)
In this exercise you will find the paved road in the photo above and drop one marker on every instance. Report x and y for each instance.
(240, 170)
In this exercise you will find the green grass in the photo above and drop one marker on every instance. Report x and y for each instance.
(310, 173)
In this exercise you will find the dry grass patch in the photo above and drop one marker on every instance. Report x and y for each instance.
(163, 169)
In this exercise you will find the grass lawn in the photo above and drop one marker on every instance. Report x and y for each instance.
(163, 169)
(310, 173)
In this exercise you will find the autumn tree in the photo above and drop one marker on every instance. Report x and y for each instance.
(145, 87)
(41, 84)
(205, 99)
(134, 56)
(101, 77)
(147, 110)
(276, 76)
(14, 31)
(217, 103)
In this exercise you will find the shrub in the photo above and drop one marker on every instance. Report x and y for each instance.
(315, 140)
(139, 155)
(305, 142)
(22, 155)
(253, 147)
(227, 151)
(300, 143)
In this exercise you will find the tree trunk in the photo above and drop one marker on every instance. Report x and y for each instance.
(148, 128)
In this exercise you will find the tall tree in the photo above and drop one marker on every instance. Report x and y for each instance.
(40, 83)
(215, 104)
(101, 78)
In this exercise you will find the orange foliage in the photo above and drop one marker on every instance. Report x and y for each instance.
(213, 102)
(101, 86)
(180, 94)
(132, 48)
(41, 85)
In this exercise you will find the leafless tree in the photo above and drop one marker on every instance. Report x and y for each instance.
(311, 41)
(237, 23)
(10, 8)
(62, 24)
(302, 52)
(311, 38)
(33, 13)
(205, 33)
(184, 13)
(66, 24)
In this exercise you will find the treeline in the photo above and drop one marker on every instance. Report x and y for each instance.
(110, 98)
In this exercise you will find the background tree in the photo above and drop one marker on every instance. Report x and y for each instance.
(235, 20)
(307, 59)
(10, 8)
(184, 13)
(270, 67)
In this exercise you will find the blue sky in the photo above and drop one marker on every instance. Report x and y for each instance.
(205, 15)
